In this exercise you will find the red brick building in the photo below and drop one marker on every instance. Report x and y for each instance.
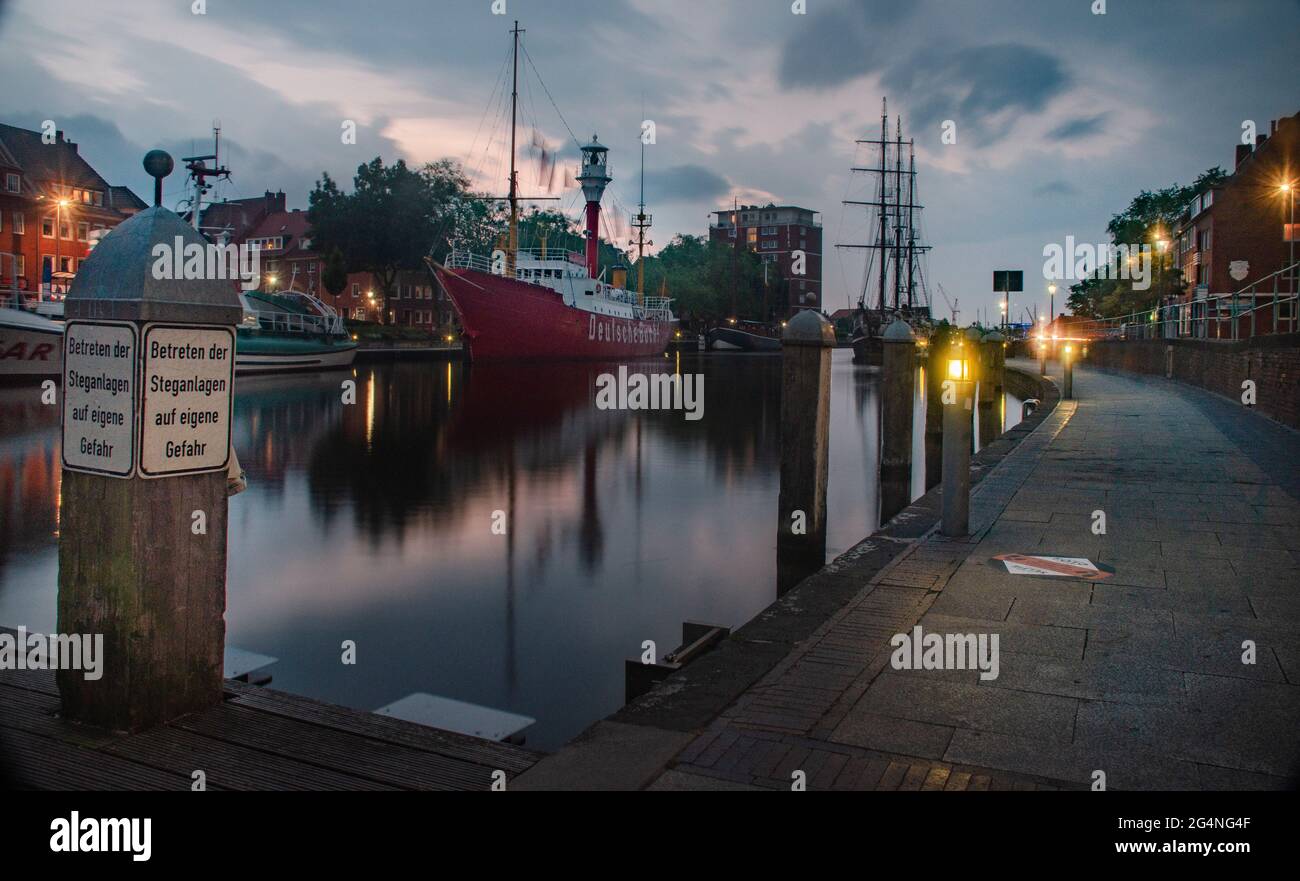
(53, 207)
(1234, 240)
(775, 232)
(289, 262)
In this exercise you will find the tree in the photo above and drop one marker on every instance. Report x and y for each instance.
(335, 274)
(392, 219)
(1150, 218)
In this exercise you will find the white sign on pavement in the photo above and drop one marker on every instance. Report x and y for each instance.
(99, 397)
(187, 385)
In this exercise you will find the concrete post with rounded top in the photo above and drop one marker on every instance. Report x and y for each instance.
(897, 392)
(142, 543)
(807, 344)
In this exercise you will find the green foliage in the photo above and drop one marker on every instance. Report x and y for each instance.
(334, 276)
(698, 274)
(393, 217)
(1149, 218)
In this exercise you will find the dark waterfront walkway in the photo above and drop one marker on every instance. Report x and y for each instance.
(258, 738)
(1139, 675)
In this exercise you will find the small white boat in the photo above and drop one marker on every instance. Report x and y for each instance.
(31, 345)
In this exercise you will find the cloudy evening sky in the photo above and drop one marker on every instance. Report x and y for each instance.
(1062, 115)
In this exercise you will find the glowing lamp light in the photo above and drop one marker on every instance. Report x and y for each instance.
(958, 368)
(678, 334)
(447, 338)
(1068, 348)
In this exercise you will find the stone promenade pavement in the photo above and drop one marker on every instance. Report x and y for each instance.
(1139, 675)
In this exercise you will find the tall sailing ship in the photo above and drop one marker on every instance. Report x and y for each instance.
(893, 277)
(534, 304)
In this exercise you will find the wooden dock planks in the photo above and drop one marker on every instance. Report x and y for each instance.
(256, 739)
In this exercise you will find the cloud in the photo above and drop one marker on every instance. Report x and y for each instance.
(977, 85)
(1078, 128)
(835, 46)
(683, 183)
(1055, 188)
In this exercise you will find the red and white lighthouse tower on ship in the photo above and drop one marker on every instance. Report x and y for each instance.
(594, 178)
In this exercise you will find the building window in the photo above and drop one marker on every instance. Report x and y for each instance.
(66, 264)
(47, 227)
(1204, 244)
(20, 224)
(21, 266)
(65, 230)
(83, 232)
(356, 290)
(13, 183)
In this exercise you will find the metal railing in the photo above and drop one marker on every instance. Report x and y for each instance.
(1263, 307)
(470, 260)
(323, 320)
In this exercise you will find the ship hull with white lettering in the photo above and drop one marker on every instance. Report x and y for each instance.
(552, 311)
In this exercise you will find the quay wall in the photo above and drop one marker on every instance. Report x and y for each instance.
(1219, 366)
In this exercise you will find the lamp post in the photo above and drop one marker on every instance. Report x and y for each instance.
(1067, 367)
(958, 386)
(1289, 191)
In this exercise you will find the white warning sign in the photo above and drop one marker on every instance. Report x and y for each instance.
(99, 395)
(187, 384)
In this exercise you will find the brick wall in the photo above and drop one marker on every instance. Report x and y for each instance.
(1273, 362)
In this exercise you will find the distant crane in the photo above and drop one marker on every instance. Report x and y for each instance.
(952, 304)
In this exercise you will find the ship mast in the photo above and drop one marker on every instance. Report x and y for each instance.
(641, 222)
(896, 236)
(512, 250)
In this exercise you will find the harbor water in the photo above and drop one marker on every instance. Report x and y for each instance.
(484, 533)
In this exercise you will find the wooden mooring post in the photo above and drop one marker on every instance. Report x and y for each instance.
(147, 395)
(992, 377)
(897, 393)
(807, 344)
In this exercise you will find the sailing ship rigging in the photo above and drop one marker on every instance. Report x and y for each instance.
(893, 280)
